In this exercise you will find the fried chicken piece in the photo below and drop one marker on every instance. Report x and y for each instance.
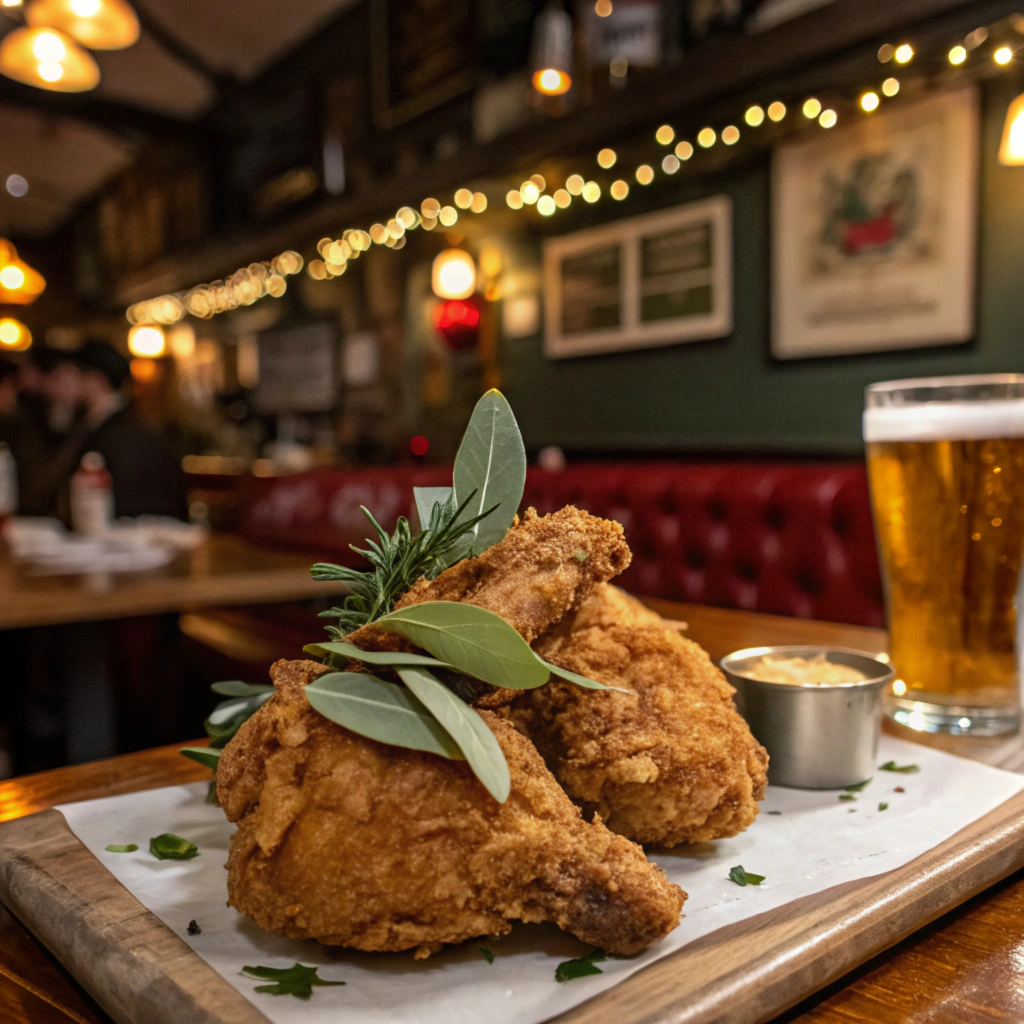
(542, 568)
(676, 763)
(361, 844)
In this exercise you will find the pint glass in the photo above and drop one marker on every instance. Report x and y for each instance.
(946, 463)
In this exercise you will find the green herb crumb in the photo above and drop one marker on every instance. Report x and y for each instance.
(892, 766)
(742, 877)
(171, 847)
(296, 980)
(122, 848)
(486, 954)
(580, 967)
(883, 806)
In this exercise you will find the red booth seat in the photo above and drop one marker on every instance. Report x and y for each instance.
(788, 538)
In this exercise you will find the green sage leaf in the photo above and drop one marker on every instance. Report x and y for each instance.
(297, 980)
(741, 877)
(573, 677)
(892, 766)
(171, 847)
(492, 462)
(347, 650)
(883, 806)
(236, 688)
(473, 640)
(581, 966)
(466, 727)
(122, 848)
(847, 796)
(228, 716)
(426, 498)
(208, 757)
(856, 787)
(381, 711)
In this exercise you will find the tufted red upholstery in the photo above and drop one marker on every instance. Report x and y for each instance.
(789, 538)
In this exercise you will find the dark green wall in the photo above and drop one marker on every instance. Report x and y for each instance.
(730, 396)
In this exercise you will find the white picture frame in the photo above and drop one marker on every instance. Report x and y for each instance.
(658, 279)
(874, 231)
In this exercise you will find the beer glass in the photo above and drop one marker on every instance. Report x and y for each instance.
(946, 464)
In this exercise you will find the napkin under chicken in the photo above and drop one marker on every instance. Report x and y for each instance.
(376, 847)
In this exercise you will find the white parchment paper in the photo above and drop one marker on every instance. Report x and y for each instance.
(817, 841)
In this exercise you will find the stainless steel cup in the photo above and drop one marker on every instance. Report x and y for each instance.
(817, 736)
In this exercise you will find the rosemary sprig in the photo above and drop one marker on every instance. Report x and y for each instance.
(398, 561)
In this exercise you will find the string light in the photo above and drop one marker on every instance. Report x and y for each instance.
(1003, 55)
(869, 101)
(448, 216)
(777, 110)
(665, 134)
(958, 55)
(670, 164)
(706, 137)
(890, 87)
(540, 181)
(828, 119)
(886, 52)
(591, 192)
(530, 193)
(562, 198)
(514, 198)
(811, 108)
(904, 53)
(463, 198)
(147, 340)
(684, 150)
(603, 8)
(754, 116)
(574, 185)
(619, 189)
(479, 203)
(730, 135)
(546, 206)
(645, 174)
(606, 158)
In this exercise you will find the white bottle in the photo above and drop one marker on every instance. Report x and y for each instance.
(8, 483)
(92, 496)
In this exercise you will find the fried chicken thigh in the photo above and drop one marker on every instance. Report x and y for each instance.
(675, 763)
(375, 847)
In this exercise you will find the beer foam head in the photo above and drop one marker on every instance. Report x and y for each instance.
(945, 421)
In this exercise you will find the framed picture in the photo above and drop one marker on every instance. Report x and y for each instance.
(873, 232)
(659, 279)
(424, 54)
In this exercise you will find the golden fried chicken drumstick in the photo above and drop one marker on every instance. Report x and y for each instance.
(676, 763)
(375, 847)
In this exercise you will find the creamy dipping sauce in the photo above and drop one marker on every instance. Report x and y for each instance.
(801, 671)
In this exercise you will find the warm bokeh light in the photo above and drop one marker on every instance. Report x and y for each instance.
(143, 370)
(730, 135)
(777, 110)
(665, 134)
(828, 119)
(14, 335)
(551, 82)
(430, 208)
(12, 277)
(147, 341)
(463, 198)
(448, 216)
(453, 274)
(885, 53)
(591, 192)
(379, 233)
(619, 189)
(811, 108)
(754, 116)
(396, 228)
(546, 206)
(47, 59)
(181, 340)
(540, 181)
(958, 55)
(890, 87)
(514, 199)
(684, 150)
(645, 174)
(530, 193)
(20, 285)
(706, 137)
(606, 158)
(562, 198)
(1003, 55)
(670, 164)
(478, 203)
(574, 184)
(316, 270)
(904, 53)
(869, 101)
(1011, 148)
(899, 687)
(603, 8)
(97, 24)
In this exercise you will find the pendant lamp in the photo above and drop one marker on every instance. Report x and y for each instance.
(20, 285)
(98, 24)
(551, 56)
(1011, 149)
(47, 59)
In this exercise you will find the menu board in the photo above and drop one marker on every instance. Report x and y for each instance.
(297, 369)
(659, 279)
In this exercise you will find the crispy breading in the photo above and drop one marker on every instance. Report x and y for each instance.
(360, 844)
(542, 569)
(675, 763)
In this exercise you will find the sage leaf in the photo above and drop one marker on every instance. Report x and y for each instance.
(883, 806)
(381, 711)
(847, 796)
(236, 688)
(426, 498)
(892, 766)
(208, 757)
(856, 787)
(580, 967)
(473, 640)
(741, 877)
(346, 650)
(466, 727)
(296, 980)
(573, 677)
(121, 848)
(171, 847)
(492, 462)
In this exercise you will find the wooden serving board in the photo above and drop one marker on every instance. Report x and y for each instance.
(140, 972)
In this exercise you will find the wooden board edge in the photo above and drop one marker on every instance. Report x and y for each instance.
(762, 966)
(127, 959)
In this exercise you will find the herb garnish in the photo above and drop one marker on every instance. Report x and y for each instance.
(856, 787)
(171, 847)
(742, 877)
(125, 848)
(581, 966)
(847, 796)
(892, 766)
(486, 954)
(288, 981)
(883, 806)
(773, 812)
(193, 928)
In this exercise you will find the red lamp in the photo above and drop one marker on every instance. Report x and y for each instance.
(458, 322)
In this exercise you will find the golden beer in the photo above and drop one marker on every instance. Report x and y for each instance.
(946, 466)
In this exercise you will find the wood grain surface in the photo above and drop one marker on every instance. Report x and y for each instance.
(224, 570)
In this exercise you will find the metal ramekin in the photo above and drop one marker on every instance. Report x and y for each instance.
(817, 737)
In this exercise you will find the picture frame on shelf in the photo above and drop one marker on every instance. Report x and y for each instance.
(874, 232)
(659, 279)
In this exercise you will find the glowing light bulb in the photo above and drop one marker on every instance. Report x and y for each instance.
(811, 108)
(904, 53)
(530, 193)
(49, 48)
(453, 274)
(562, 198)
(603, 8)
(885, 53)
(958, 55)
(479, 202)
(12, 277)
(869, 101)
(514, 199)
(85, 8)
(899, 687)
(606, 158)
(754, 116)
(49, 71)
(828, 119)
(463, 198)
(574, 185)
(1003, 55)
(670, 164)
(890, 87)
(147, 341)
(448, 216)
(619, 189)
(684, 150)
(645, 174)
(591, 192)
(551, 82)
(545, 206)
(706, 137)
(665, 134)
(730, 135)
(777, 110)
(1011, 149)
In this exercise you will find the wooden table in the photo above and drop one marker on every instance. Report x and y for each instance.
(224, 570)
(965, 968)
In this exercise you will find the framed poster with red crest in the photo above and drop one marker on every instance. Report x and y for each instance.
(873, 231)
